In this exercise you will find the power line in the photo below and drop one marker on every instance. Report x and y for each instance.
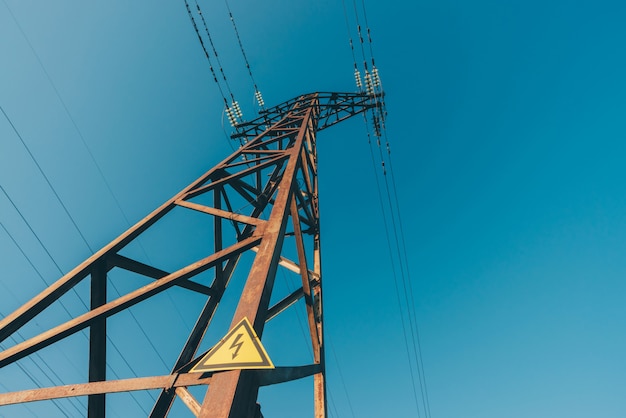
(257, 93)
(343, 382)
(217, 58)
(358, 25)
(76, 227)
(84, 142)
(233, 112)
(403, 261)
(38, 383)
(393, 268)
(73, 289)
(79, 232)
(394, 231)
(369, 34)
(46, 178)
(206, 53)
(37, 354)
(404, 253)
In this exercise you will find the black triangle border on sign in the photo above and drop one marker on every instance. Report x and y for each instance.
(266, 363)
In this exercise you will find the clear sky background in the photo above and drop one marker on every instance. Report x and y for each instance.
(508, 136)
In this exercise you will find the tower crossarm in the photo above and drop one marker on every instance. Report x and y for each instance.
(332, 109)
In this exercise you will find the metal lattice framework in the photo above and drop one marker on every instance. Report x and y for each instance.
(275, 170)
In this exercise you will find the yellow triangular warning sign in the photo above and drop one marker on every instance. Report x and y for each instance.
(239, 349)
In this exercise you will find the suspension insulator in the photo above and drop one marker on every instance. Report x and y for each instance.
(357, 78)
(369, 86)
(237, 110)
(231, 117)
(259, 98)
(375, 77)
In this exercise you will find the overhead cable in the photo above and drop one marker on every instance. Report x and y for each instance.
(371, 84)
(206, 53)
(257, 93)
(84, 142)
(217, 58)
(75, 226)
(232, 111)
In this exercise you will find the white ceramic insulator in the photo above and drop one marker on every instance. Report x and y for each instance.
(237, 109)
(369, 87)
(376, 77)
(357, 78)
(259, 98)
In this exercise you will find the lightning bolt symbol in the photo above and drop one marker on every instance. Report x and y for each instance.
(236, 345)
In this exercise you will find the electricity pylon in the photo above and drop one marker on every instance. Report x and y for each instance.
(274, 171)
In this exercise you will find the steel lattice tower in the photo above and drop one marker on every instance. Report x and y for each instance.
(274, 170)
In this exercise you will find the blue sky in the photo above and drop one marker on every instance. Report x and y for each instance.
(506, 123)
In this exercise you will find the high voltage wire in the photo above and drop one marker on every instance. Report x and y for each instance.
(44, 176)
(84, 142)
(369, 33)
(407, 294)
(217, 58)
(206, 53)
(73, 289)
(343, 382)
(72, 401)
(233, 112)
(37, 383)
(411, 294)
(257, 93)
(395, 237)
(86, 243)
(404, 271)
(61, 202)
(61, 272)
(393, 268)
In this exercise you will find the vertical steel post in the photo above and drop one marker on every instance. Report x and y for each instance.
(319, 380)
(232, 394)
(96, 407)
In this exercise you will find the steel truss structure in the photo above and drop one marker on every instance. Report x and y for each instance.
(275, 171)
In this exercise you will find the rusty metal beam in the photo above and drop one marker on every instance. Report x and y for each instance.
(289, 265)
(221, 213)
(154, 273)
(319, 380)
(110, 386)
(284, 303)
(222, 181)
(306, 282)
(188, 400)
